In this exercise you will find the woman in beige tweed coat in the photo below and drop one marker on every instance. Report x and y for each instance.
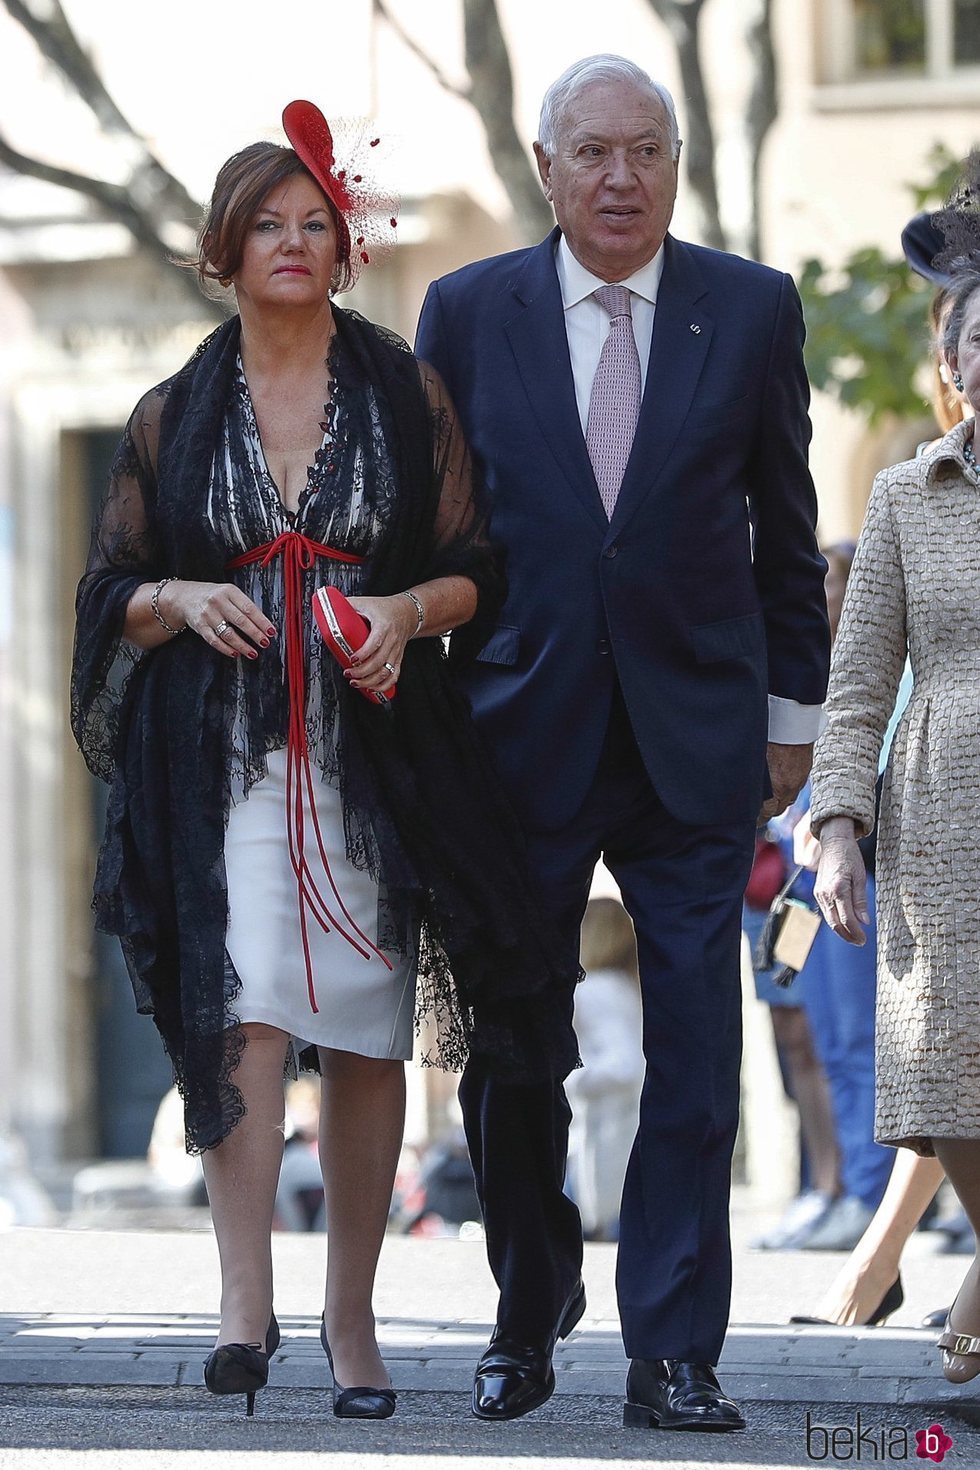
(915, 589)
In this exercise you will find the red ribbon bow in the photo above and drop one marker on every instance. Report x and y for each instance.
(299, 553)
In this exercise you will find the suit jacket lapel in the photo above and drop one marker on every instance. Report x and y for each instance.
(536, 332)
(681, 337)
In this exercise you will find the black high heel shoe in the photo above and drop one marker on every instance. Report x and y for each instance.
(890, 1302)
(242, 1367)
(357, 1403)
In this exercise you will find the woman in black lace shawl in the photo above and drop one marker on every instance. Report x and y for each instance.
(198, 683)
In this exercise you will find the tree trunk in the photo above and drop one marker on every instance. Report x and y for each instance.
(492, 94)
(761, 114)
(682, 19)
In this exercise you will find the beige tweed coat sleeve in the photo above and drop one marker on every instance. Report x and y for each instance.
(866, 668)
(915, 585)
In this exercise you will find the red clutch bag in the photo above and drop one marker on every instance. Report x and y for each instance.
(343, 630)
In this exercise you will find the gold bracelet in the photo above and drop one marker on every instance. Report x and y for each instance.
(156, 611)
(420, 610)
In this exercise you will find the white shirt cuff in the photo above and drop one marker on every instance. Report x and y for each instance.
(794, 724)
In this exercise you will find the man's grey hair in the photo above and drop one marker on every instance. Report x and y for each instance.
(581, 74)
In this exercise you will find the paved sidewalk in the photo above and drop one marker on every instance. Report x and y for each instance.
(100, 1309)
(771, 1364)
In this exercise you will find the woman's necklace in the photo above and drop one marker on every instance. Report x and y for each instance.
(971, 460)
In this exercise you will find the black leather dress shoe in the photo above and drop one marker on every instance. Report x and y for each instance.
(512, 1377)
(670, 1394)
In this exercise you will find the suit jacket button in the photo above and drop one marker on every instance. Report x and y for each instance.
(602, 646)
(611, 551)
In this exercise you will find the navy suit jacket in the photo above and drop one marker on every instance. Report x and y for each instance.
(703, 594)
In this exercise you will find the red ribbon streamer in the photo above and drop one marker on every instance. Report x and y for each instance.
(299, 554)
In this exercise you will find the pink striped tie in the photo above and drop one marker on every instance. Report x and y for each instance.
(614, 405)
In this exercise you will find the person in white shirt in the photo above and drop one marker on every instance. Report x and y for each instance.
(605, 1091)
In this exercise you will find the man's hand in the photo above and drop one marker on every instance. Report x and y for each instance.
(789, 766)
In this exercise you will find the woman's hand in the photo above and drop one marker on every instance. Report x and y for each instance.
(841, 886)
(207, 606)
(378, 661)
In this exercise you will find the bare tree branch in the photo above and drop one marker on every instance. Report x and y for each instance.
(381, 10)
(682, 19)
(110, 197)
(114, 201)
(151, 199)
(46, 22)
(762, 111)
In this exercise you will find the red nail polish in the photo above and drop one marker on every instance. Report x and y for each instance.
(264, 642)
(271, 632)
(253, 655)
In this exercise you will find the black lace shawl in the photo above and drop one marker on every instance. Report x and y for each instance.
(156, 726)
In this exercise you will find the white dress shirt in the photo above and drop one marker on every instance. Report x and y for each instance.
(587, 323)
(586, 327)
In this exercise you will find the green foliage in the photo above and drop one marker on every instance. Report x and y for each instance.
(867, 332)
(867, 320)
(945, 173)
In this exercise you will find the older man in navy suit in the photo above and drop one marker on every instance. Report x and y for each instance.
(639, 410)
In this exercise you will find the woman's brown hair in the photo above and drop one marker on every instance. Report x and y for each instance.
(243, 182)
(946, 403)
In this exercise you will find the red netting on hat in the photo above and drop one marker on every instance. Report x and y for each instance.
(348, 159)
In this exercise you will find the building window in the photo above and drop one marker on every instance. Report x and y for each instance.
(889, 36)
(898, 40)
(966, 32)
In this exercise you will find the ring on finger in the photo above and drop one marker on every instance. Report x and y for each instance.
(222, 628)
(391, 669)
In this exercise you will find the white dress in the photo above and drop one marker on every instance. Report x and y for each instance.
(362, 1006)
(317, 985)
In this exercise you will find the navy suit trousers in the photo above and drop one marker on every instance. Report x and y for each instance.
(682, 886)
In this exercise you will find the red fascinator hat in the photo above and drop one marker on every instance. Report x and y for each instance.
(344, 160)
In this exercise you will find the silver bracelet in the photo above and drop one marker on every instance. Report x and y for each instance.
(154, 608)
(420, 610)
